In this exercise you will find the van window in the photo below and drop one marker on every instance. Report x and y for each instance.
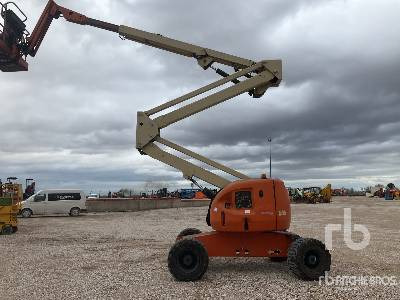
(39, 198)
(64, 196)
(243, 199)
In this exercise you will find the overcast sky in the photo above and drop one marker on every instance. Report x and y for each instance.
(70, 121)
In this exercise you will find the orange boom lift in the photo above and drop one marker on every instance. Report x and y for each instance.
(249, 217)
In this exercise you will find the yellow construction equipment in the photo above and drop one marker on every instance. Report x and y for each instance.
(311, 195)
(326, 194)
(10, 199)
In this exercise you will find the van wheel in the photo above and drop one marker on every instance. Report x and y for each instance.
(74, 212)
(26, 213)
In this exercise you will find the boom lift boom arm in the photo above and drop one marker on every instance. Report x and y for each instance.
(16, 44)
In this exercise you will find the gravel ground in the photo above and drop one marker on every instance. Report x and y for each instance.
(124, 256)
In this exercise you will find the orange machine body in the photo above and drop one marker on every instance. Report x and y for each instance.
(253, 205)
(246, 244)
(250, 218)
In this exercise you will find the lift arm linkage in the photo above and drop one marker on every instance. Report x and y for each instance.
(265, 74)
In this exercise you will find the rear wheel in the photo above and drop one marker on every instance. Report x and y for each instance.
(308, 259)
(7, 230)
(26, 213)
(75, 212)
(188, 260)
(186, 232)
(15, 229)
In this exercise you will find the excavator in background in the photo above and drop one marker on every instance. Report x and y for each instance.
(250, 217)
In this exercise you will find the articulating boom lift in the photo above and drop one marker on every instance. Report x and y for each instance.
(250, 217)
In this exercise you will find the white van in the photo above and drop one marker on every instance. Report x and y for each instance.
(51, 202)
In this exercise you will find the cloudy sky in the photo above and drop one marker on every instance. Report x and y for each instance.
(70, 121)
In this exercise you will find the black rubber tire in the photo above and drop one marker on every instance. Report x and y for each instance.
(75, 212)
(187, 231)
(187, 260)
(278, 259)
(7, 230)
(26, 213)
(295, 237)
(308, 259)
(15, 229)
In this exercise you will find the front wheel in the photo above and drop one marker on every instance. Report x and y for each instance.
(26, 213)
(188, 260)
(308, 259)
(75, 212)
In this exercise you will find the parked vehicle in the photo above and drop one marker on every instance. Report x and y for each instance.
(51, 202)
(311, 194)
(93, 196)
(188, 193)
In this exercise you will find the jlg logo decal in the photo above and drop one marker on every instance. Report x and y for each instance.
(281, 213)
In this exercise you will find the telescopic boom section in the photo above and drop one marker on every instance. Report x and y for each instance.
(15, 50)
(204, 56)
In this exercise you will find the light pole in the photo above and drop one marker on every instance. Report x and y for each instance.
(270, 157)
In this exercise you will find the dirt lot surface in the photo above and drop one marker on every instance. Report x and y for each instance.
(124, 256)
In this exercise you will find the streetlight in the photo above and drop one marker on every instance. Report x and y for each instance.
(270, 157)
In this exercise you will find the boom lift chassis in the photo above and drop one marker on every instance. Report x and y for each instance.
(250, 217)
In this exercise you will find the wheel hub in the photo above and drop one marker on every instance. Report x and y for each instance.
(311, 259)
(188, 261)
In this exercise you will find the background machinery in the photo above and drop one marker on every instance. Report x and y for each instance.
(392, 192)
(250, 217)
(296, 195)
(317, 195)
(30, 188)
(311, 195)
(10, 199)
